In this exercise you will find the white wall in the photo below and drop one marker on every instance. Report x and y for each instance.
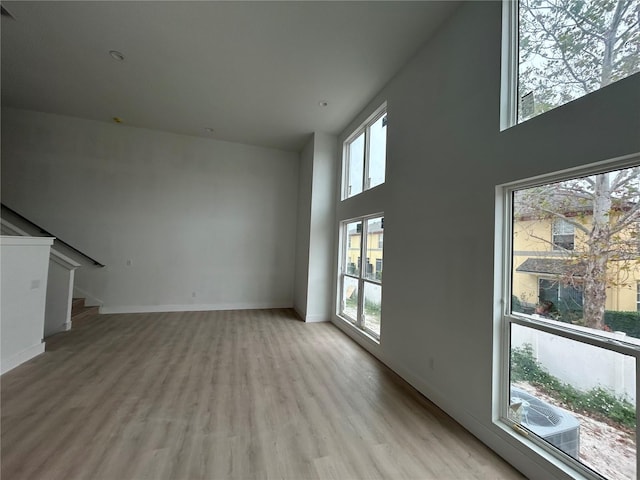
(205, 224)
(24, 263)
(321, 241)
(303, 230)
(315, 258)
(446, 154)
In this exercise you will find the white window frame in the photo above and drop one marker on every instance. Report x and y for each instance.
(509, 101)
(365, 129)
(509, 65)
(504, 318)
(359, 321)
(560, 228)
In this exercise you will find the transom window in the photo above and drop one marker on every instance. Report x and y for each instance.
(365, 154)
(571, 343)
(360, 283)
(561, 50)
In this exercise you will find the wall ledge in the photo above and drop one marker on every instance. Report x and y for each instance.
(6, 240)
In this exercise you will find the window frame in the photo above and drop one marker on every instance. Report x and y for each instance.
(509, 65)
(557, 230)
(363, 129)
(509, 101)
(505, 317)
(361, 276)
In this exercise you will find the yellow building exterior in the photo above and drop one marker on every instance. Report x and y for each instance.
(372, 254)
(546, 257)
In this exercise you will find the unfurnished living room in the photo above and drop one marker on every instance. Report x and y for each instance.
(314, 239)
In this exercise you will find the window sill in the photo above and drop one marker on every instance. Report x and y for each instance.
(354, 328)
(526, 445)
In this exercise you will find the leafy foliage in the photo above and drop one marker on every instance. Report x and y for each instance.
(516, 304)
(569, 48)
(627, 322)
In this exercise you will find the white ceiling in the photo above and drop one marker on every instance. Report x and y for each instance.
(252, 71)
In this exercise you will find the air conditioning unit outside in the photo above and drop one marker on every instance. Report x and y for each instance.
(553, 424)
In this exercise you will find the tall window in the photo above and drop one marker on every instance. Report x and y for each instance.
(360, 292)
(569, 381)
(561, 50)
(365, 153)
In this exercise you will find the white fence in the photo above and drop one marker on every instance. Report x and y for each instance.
(580, 365)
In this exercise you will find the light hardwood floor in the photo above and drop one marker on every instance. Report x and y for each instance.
(224, 395)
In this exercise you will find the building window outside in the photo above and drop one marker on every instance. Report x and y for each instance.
(562, 363)
(364, 156)
(563, 234)
(360, 292)
(562, 50)
(564, 297)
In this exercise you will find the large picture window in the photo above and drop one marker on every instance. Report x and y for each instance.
(571, 342)
(360, 291)
(365, 153)
(561, 50)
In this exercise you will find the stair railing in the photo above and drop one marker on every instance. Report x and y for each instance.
(49, 234)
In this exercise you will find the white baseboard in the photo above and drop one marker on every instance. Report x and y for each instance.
(21, 357)
(107, 309)
(312, 318)
(316, 318)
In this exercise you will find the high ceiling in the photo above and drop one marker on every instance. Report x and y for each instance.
(254, 72)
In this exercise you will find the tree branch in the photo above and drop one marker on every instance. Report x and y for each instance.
(565, 61)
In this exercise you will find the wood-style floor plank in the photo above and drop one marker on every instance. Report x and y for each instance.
(224, 395)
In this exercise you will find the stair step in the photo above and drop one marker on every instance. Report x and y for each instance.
(77, 306)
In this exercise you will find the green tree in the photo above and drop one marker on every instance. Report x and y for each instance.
(569, 48)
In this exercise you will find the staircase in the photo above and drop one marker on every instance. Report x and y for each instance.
(80, 313)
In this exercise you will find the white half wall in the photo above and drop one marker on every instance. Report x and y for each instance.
(180, 222)
(23, 290)
(60, 281)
